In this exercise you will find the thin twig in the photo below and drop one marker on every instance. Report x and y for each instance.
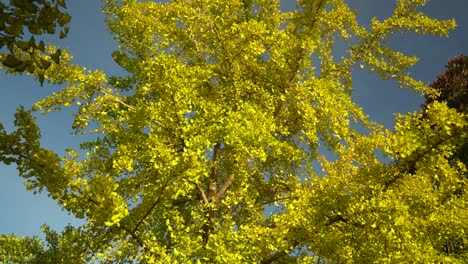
(128, 106)
(117, 99)
(135, 228)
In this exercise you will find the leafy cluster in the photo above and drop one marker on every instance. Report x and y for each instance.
(58, 248)
(210, 148)
(38, 17)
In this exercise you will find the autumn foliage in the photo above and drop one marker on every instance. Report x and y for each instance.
(210, 148)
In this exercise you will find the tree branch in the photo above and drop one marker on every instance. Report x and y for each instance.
(214, 173)
(150, 210)
(223, 189)
(138, 239)
(408, 165)
(202, 195)
(118, 100)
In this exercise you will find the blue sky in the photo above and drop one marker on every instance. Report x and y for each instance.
(23, 213)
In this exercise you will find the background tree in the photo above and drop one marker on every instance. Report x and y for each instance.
(204, 151)
(451, 87)
(38, 17)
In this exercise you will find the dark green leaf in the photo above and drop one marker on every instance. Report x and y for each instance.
(11, 61)
(56, 56)
(23, 45)
(22, 67)
(51, 29)
(32, 41)
(41, 78)
(63, 19)
(18, 3)
(30, 6)
(41, 46)
(62, 3)
(45, 64)
(14, 30)
(34, 29)
(31, 68)
(62, 34)
(11, 20)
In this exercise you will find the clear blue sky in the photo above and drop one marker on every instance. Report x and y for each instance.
(23, 213)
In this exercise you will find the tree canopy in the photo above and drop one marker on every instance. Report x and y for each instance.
(209, 148)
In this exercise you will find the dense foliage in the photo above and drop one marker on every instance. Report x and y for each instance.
(210, 149)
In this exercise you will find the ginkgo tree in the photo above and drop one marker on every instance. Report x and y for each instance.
(206, 150)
